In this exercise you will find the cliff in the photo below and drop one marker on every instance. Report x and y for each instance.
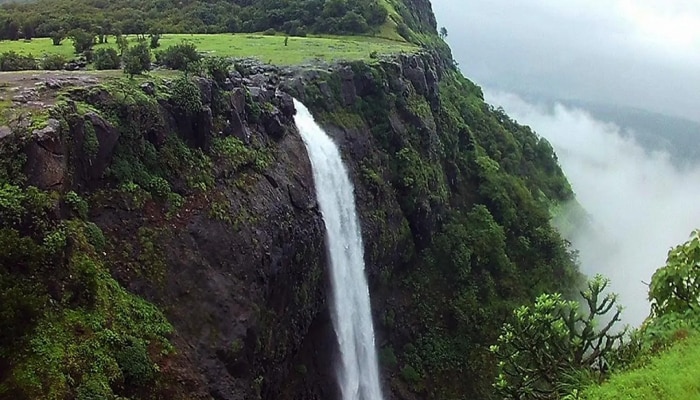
(160, 237)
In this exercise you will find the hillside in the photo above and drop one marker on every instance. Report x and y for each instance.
(160, 236)
(393, 19)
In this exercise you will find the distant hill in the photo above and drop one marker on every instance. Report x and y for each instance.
(653, 131)
(677, 136)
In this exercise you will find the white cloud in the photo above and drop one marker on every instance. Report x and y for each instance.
(641, 204)
(638, 53)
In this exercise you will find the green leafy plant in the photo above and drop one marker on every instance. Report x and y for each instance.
(106, 58)
(676, 286)
(548, 347)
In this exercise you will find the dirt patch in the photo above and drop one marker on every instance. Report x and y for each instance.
(38, 89)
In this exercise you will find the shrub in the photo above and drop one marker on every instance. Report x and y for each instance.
(134, 363)
(178, 57)
(77, 204)
(410, 375)
(12, 61)
(106, 58)
(186, 95)
(82, 40)
(137, 59)
(270, 32)
(217, 68)
(53, 62)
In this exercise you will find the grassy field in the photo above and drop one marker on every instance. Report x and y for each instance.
(269, 49)
(674, 375)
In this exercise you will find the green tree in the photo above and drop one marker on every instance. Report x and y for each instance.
(675, 288)
(82, 40)
(548, 346)
(57, 37)
(179, 56)
(154, 39)
(137, 59)
(122, 43)
(106, 58)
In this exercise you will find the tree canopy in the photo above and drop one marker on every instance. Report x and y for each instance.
(46, 18)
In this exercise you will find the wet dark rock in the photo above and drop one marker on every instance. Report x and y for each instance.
(205, 88)
(107, 137)
(46, 161)
(149, 88)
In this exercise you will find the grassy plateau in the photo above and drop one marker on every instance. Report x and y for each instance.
(270, 49)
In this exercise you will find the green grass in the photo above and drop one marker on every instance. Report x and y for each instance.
(673, 375)
(269, 49)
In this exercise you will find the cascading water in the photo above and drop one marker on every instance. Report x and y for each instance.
(358, 374)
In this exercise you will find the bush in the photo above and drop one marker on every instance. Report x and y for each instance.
(77, 204)
(217, 68)
(137, 59)
(82, 40)
(134, 363)
(270, 32)
(186, 96)
(106, 58)
(53, 62)
(12, 61)
(178, 57)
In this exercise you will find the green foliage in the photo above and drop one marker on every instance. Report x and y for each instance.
(387, 357)
(83, 341)
(548, 343)
(235, 156)
(91, 144)
(170, 16)
(82, 40)
(53, 62)
(137, 59)
(135, 364)
(186, 96)
(179, 56)
(106, 58)
(77, 204)
(410, 375)
(217, 68)
(675, 287)
(12, 61)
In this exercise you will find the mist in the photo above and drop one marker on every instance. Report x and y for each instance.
(640, 204)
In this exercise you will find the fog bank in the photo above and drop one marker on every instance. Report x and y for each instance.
(640, 203)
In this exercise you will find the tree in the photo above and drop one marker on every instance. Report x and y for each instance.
(137, 59)
(443, 32)
(675, 288)
(122, 43)
(57, 37)
(82, 40)
(154, 38)
(179, 56)
(106, 58)
(552, 341)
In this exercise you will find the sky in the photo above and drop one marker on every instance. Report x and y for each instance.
(640, 203)
(635, 53)
(638, 53)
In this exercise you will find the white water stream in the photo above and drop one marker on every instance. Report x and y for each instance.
(358, 373)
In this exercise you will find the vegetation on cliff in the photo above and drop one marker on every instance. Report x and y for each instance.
(194, 192)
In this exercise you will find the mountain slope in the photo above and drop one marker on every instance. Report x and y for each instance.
(169, 227)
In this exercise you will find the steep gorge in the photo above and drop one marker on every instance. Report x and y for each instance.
(202, 193)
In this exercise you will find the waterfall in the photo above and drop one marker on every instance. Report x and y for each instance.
(358, 373)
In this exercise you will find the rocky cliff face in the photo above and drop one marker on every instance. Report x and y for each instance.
(203, 192)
